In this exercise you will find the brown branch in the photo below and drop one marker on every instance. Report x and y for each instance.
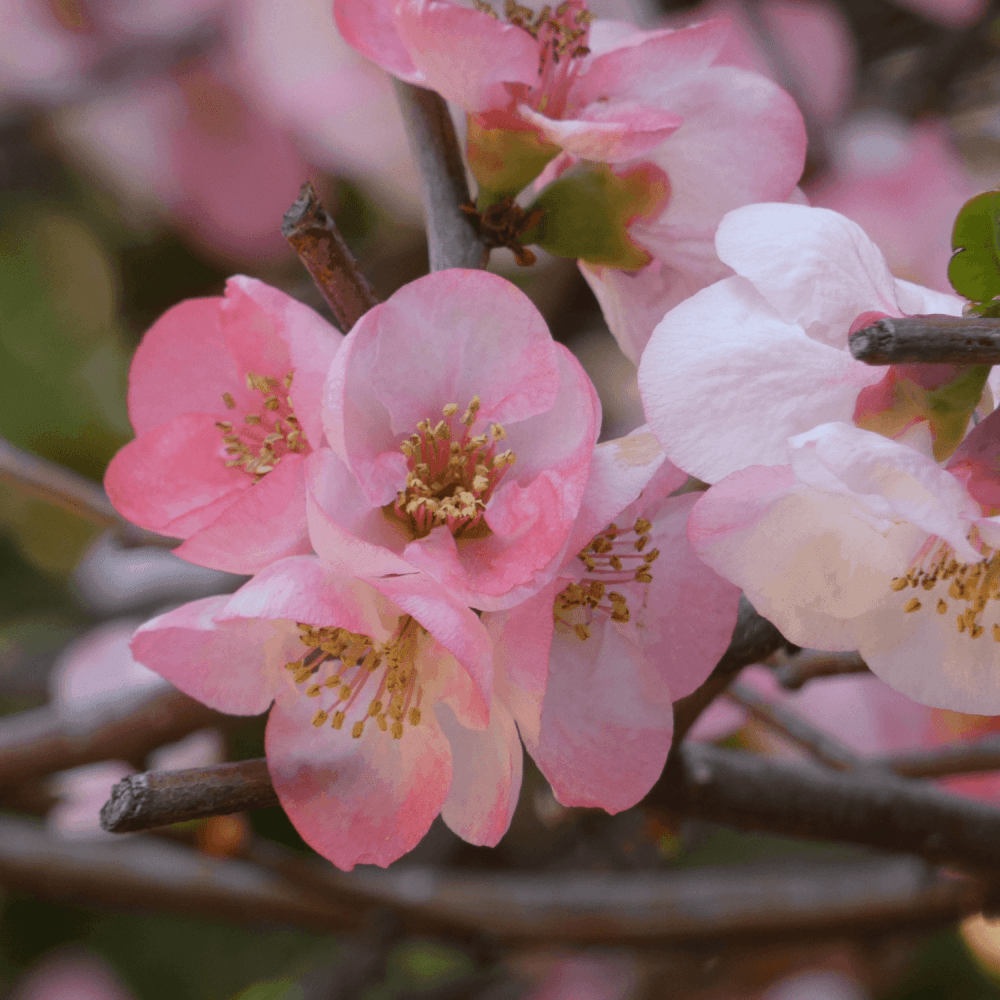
(796, 799)
(158, 798)
(754, 639)
(452, 240)
(38, 477)
(980, 757)
(793, 670)
(43, 740)
(821, 745)
(317, 240)
(932, 339)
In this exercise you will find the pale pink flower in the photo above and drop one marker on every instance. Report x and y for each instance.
(461, 436)
(70, 974)
(383, 711)
(631, 622)
(706, 138)
(588, 977)
(866, 543)
(224, 396)
(884, 166)
(733, 372)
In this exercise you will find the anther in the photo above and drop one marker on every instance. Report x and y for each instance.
(414, 716)
(642, 526)
(912, 605)
(319, 718)
(357, 730)
(942, 607)
(450, 409)
(338, 720)
(397, 730)
(227, 398)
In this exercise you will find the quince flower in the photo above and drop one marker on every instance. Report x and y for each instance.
(733, 372)
(632, 621)
(224, 395)
(382, 714)
(866, 543)
(636, 133)
(460, 441)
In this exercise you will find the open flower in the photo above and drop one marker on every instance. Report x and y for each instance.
(224, 395)
(737, 369)
(866, 543)
(638, 128)
(632, 621)
(382, 715)
(460, 441)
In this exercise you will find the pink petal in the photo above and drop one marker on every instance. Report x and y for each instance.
(369, 26)
(605, 703)
(466, 56)
(721, 345)
(173, 479)
(182, 365)
(356, 801)
(71, 973)
(742, 141)
(814, 267)
(221, 664)
(458, 630)
(309, 343)
(693, 608)
(486, 776)
(635, 67)
(805, 559)
(264, 523)
(609, 133)
(345, 529)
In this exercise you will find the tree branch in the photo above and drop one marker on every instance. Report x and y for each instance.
(793, 670)
(452, 240)
(932, 339)
(312, 232)
(821, 745)
(38, 477)
(955, 758)
(158, 798)
(44, 740)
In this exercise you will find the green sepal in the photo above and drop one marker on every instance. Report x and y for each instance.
(504, 161)
(587, 212)
(974, 269)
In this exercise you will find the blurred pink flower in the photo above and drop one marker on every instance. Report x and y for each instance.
(383, 711)
(70, 974)
(733, 372)
(632, 621)
(883, 167)
(588, 977)
(224, 429)
(461, 436)
(866, 543)
(953, 13)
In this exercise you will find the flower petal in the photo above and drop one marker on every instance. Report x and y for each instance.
(370, 28)
(230, 666)
(486, 776)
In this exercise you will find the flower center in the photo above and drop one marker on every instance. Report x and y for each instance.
(340, 664)
(562, 37)
(611, 558)
(450, 480)
(971, 584)
(264, 438)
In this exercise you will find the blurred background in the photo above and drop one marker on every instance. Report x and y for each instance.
(148, 149)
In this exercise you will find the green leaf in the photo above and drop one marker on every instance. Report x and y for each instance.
(277, 989)
(974, 269)
(588, 210)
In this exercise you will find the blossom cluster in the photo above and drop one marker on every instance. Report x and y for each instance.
(445, 563)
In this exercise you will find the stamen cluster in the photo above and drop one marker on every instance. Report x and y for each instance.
(265, 437)
(336, 652)
(450, 481)
(974, 583)
(605, 557)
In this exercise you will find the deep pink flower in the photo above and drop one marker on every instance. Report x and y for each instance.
(866, 543)
(632, 621)
(383, 713)
(733, 372)
(461, 436)
(224, 395)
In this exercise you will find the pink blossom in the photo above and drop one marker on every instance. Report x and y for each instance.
(383, 711)
(70, 974)
(866, 543)
(588, 977)
(631, 622)
(734, 371)
(461, 439)
(882, 168)
(561, 90)
(223, 428)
